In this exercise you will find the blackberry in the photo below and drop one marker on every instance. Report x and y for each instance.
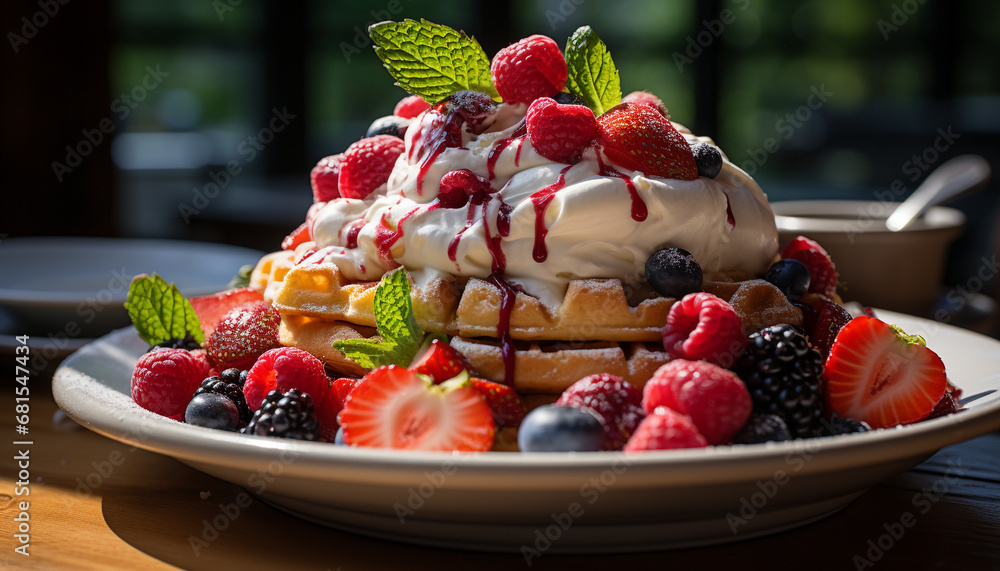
(763, 428)
(782, 371)
(564, 98)
(229, 384)
(289, 415)
(187, 342)
(837, 424)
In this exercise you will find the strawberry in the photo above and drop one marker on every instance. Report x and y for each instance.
(325, 178)
(822, 273)
(394, 407)
(704, 326)
(830, 318)
(637, 137)
(367, 164)
(560, 132)
(411, 106)
(531, 68)
(507, 406)
(877, 374)
(243, 335)
(439, 361)
(299, 236)
(647, 98)
(211, 309)
(665, 429)
(328, 410)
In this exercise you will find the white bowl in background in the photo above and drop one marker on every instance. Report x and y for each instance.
(900, 271)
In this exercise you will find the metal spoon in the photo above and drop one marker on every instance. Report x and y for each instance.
(957, 177)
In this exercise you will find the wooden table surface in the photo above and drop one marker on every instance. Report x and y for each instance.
(140, 514)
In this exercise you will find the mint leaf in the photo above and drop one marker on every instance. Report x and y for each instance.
(593, 76)
(397, 326)
(242, 277)
(431, 60)
(159, 311)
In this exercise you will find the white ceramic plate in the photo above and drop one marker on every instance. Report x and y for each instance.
(593, 502)
(76, 286)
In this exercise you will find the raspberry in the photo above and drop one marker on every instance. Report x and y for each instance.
(410, 106)
(458, 186)
(324, 178)
(647, 98)
(531, 68)
(282, 369)
(560, 132)
(716, 399)
(164, 380)
(243, 335)
(703, 326)
(618, 403)
(367, 164)
(665, 430)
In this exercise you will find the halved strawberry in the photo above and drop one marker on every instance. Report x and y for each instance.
(438, 360)
(394, 407)
(880, 375)
(212, 308)
(822, 272)
(507, 406)
(638, 137)
(299, 236)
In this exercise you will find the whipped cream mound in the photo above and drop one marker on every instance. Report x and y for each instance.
(549, 222)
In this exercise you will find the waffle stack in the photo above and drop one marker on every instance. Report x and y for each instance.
(595, 329)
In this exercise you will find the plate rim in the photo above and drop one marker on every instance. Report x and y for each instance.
(313, 459)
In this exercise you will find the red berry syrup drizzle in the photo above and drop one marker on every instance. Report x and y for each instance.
(639, 210)
(729, 213)
(502, 144)
(386, 237)
(540, 200)
(352, 233)
(507, 298)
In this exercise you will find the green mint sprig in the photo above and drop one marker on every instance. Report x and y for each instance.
(397, 326)
(159, 311)
(431, 60)
(593, 76)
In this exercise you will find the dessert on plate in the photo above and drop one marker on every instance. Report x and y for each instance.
(518, 236)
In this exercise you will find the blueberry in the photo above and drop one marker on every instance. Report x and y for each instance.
(790, 276)
(551, 428)
(212, 410)
(673, 272)
(708, 158)
(564, 98)
(388, 125)
(339, 439)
